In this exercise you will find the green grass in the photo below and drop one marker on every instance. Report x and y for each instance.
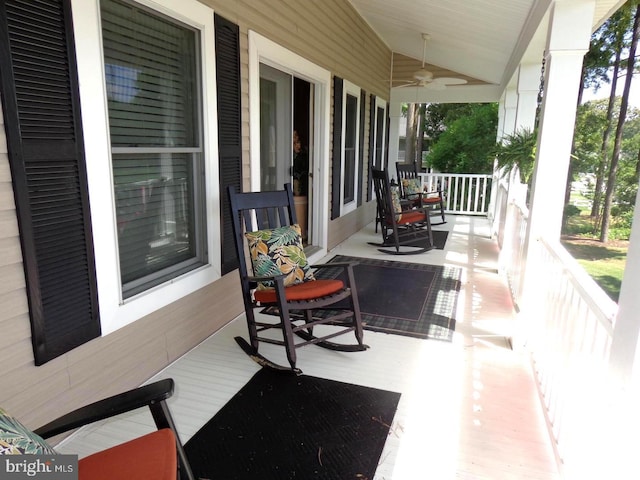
(604, 263)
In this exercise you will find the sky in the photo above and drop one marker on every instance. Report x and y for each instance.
(634, 95)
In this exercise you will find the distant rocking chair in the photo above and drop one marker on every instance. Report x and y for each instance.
(403, 223)
(283, 281)
(410, 184)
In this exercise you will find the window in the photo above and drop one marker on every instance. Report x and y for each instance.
(152, 74)
(350, 147)
(381, 120)
(151, 143)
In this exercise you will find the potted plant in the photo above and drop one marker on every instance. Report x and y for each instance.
(517, 150)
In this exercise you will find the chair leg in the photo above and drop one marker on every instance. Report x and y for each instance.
(355, 304)
(251, 327)
(287, 332)
(251, 324)
(163, 419)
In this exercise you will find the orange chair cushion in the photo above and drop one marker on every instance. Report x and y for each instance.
(426, 199)
(151, 457)
(411, 216)
(301, 291)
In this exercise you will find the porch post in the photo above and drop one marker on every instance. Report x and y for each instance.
(528, 87)
(395, 113)
(568, 37)
(506, 123)
(567, 41)
(510, 111)
(624, 360)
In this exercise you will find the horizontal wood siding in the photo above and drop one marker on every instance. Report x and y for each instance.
(328, 33)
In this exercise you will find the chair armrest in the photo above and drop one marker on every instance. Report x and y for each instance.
(146, 395)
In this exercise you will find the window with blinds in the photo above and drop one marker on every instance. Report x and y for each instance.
(350, 142)
(350, 147)
(152, 75)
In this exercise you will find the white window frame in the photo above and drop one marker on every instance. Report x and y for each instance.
(353, 90)
(115, 313)
(264, 50)
(380, 103)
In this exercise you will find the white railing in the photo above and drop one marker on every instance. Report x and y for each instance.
(567, 323)
(571, 323)
(466, 194)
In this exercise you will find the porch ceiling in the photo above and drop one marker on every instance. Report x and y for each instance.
(481, 41)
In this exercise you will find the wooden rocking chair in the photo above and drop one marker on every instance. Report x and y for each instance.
(402, 223)
(410, 184)
(156, 455)
(282, 280)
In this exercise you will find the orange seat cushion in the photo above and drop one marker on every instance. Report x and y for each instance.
(151, 457)
(411, 216)
(426, 199)
(301, 291)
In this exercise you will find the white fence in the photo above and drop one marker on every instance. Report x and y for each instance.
(466, 194)
(567, 322)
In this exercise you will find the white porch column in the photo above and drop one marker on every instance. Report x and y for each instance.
(569, 34)
(395, 114)
(624, 359)
(510, 110)
(501, 115)
(567, 42)
(528, 87)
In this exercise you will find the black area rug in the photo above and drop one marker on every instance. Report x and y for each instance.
(403, 298)
(281, 426)
(439, 240)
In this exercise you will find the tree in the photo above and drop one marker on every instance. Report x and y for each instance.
(411, 132)
(607, 44)
(465, 141)
(606, 211)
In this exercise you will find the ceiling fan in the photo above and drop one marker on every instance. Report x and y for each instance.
(424, 78)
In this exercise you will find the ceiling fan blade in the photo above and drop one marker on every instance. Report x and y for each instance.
(449, 81)
(410, 84)
(435, 86)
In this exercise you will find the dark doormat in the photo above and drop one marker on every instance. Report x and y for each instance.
(403, 298)
(282, 426)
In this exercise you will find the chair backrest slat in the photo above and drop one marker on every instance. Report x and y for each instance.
(382, 188)
(405, 170)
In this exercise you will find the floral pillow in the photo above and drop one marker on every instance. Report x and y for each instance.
(279, 251)
(395, 199)
(16, 439)
(411, 186)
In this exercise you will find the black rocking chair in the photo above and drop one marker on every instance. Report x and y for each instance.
(431, 200)
(281, 281)
(403, 222)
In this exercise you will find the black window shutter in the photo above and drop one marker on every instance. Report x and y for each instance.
(229, 129)
(46, 154)
(336, 183)
(372, 143)
(363, 100)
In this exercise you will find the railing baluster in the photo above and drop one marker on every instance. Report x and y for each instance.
(464, 193)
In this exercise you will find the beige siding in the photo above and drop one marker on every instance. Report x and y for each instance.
(330, 34)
